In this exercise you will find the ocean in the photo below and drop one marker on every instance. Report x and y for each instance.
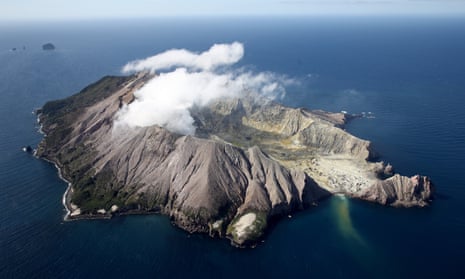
(408, 72)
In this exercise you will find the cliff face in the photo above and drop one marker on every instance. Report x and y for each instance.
(250, 161)
(399, 191)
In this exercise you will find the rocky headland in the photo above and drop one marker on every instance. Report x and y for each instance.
(249, 162)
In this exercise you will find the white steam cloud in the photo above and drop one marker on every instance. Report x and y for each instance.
(166, 99)
(217, 55)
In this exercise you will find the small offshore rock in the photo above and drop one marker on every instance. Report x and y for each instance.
(48, 46)
(27, 149)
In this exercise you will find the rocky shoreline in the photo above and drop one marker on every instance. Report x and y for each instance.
(249, 162)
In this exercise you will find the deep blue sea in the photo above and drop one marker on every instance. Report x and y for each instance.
(409, 72)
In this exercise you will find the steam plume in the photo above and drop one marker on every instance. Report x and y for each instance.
(217, 55)
(166, 99)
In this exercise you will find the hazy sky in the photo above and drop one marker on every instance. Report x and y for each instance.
(92, 9)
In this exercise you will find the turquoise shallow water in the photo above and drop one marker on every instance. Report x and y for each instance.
(407, 72)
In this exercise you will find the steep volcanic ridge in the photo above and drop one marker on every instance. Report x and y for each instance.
(249, 162)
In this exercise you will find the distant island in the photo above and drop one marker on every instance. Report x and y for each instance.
(48, 46)
(248, 164)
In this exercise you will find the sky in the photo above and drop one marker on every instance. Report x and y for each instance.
(105, 9)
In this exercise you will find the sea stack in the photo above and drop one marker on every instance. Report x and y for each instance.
(48, 46)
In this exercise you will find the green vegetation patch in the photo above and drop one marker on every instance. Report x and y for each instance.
(101, 191)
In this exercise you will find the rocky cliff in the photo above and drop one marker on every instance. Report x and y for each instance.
(250, 161)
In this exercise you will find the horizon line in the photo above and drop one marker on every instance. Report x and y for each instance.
(235, 15)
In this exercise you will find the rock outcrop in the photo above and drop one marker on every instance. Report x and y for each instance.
(48, 46)
(399, 191)
(249, 162)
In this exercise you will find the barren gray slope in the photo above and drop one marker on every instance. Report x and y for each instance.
(248, 162)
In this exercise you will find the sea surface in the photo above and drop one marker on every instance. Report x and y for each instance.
(408, 72)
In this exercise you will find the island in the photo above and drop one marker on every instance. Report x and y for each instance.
(248, 164)
(48, 46)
